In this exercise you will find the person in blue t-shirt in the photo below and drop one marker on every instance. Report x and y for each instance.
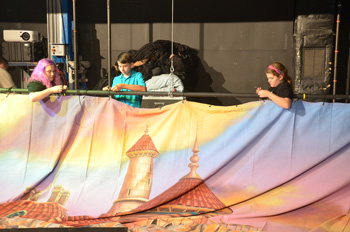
(128, 80)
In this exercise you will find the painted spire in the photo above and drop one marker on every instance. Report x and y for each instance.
(194, 163)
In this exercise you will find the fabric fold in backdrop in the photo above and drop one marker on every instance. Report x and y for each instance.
(90, 161)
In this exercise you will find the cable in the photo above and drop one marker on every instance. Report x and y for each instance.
(171, 87)
(63, 77)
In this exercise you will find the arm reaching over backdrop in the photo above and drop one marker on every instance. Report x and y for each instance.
(121, 86)
(39, 95)
(281, 91)
(283, 102)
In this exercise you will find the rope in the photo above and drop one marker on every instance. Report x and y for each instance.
(171, 86)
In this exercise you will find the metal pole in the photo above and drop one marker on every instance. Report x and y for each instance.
(75, 47)
(348, 75)
(301, 97)
(109, 42)
(336, 51)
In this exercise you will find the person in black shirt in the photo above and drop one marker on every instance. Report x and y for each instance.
(281, 91)
(44, 81)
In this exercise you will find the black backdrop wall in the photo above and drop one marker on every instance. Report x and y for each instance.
(235, 40)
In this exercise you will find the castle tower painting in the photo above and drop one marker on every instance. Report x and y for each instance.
(189, 197)
(137, 183)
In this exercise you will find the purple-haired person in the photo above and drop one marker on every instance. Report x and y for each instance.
(44, 81)
(281, 90)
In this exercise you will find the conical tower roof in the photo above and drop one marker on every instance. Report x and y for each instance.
(144, 146)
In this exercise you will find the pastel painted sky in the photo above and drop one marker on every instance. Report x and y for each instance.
(257, 158)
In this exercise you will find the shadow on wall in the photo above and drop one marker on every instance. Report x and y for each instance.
(206, 77)
(91, 52)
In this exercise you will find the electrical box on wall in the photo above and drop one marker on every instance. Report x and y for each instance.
(22, 36)
(314, 47)
(58, 49)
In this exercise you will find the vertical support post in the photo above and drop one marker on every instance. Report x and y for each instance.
(75, 47)
(109, 42)
(348, 77)
(336, 51)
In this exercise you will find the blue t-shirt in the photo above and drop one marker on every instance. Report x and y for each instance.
(135, 78)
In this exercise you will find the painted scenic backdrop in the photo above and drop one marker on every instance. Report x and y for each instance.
(92, 161)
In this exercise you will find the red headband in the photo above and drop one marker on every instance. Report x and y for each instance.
(275, 69)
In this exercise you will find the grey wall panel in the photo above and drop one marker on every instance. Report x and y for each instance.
(184, 33)
(240, 71)
(93, 45)
(250, 36)
(233, 55)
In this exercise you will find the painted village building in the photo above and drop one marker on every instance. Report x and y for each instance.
(27, 207)
(190, 201)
